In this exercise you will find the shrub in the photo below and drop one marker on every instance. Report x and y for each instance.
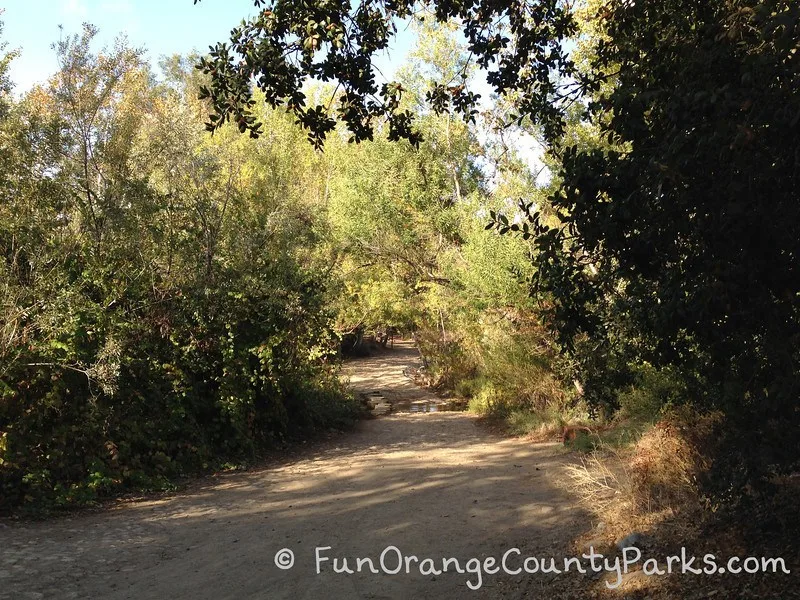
(209, 377)
(652, 392)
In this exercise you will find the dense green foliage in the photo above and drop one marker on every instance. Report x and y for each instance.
(163, 310)
(678, 237)
(669, 240)
(173, 300)
(410, 228)
(288, 43)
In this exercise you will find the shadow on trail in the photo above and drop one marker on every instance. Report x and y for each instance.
(433, 485)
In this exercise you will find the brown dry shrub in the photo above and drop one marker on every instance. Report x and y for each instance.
(659, 475)
(669, 459)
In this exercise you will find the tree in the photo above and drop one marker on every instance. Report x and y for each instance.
(393, 209)
(161, 297)
(683, 238)
(95, 98)
(289, 43)
(675, 240)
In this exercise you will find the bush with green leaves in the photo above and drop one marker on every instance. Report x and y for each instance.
(673, 242)
(164, 312)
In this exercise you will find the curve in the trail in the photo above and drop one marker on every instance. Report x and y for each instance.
(433, 485)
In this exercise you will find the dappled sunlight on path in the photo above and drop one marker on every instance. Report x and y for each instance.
(434, 485)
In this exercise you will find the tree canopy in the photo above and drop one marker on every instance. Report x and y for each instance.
(175, 295)
(670, 236)
(173, 301)
(287, 44)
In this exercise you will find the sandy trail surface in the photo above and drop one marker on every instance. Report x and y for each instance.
(430, 484)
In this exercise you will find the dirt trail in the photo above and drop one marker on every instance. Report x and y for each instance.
(433, 485)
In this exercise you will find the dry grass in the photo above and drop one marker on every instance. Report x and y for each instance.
(648, 483)
(651, 487)
(598, 485)
(664, 468)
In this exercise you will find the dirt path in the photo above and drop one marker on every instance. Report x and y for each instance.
(434, 485)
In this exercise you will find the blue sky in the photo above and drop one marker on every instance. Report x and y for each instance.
(162, 27)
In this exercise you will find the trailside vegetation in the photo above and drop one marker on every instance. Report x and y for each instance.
(668, 240)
